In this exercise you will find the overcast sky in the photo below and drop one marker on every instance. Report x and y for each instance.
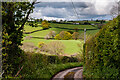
(79, 10)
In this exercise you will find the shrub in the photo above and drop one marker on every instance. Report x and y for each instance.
(63, 35)
(41, 66)
(75, 35)
(41, 44)
(102, 52)
(57, 37)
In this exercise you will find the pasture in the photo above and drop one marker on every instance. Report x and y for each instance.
(71, 46)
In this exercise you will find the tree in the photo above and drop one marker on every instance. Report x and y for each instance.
(63, 35)
(14, 17)
(115, 10)
(75, 35)
(54, 47)
(51, 34)
(45, 24)
(41, 20)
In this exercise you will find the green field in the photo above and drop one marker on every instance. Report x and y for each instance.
(71, 26)
(71, 46)
(28, 28)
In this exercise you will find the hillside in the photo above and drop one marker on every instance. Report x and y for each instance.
(38, 35)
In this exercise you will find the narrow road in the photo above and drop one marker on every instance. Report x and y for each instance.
(70, 74)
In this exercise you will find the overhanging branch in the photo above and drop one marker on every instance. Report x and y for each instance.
(28, 13)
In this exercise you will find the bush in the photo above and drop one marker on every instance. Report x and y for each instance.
(102, 52)
(41, 44)
(63, 35)
(43, 67)
(75, 35)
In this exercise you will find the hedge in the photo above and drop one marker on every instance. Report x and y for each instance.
(102, 52)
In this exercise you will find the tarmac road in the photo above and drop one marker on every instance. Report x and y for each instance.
(70, 74)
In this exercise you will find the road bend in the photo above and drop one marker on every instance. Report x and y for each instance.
(70, 74)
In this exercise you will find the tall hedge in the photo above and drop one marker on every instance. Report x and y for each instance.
(102, 52)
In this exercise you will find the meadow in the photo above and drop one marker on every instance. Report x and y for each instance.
(71, 46)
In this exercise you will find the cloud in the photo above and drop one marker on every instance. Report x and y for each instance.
(62, 4)
(75, 0)
(65, 10)
(53, 12)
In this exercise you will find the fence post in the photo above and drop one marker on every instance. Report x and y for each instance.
(84, 35)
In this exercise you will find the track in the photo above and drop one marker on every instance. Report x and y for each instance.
(70, 74)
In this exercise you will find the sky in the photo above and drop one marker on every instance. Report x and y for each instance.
(73, 9)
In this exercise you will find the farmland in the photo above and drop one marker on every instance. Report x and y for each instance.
(71, 46)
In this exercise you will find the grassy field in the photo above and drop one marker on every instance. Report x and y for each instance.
(71, 46)
(71, 26)
(28, 28)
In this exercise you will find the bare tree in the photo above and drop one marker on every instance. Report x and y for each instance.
(115, 10)
(54, 47)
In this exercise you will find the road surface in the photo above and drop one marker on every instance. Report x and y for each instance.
(70, 74)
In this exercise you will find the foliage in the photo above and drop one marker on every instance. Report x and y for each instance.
(87, 23)
(14, 16)
(45, 24)
(102, 52)
(41, 44)
(75, 35)
(39, 66)
(31, 23)
(63, 35)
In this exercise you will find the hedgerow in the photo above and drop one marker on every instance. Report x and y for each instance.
(102, 52)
